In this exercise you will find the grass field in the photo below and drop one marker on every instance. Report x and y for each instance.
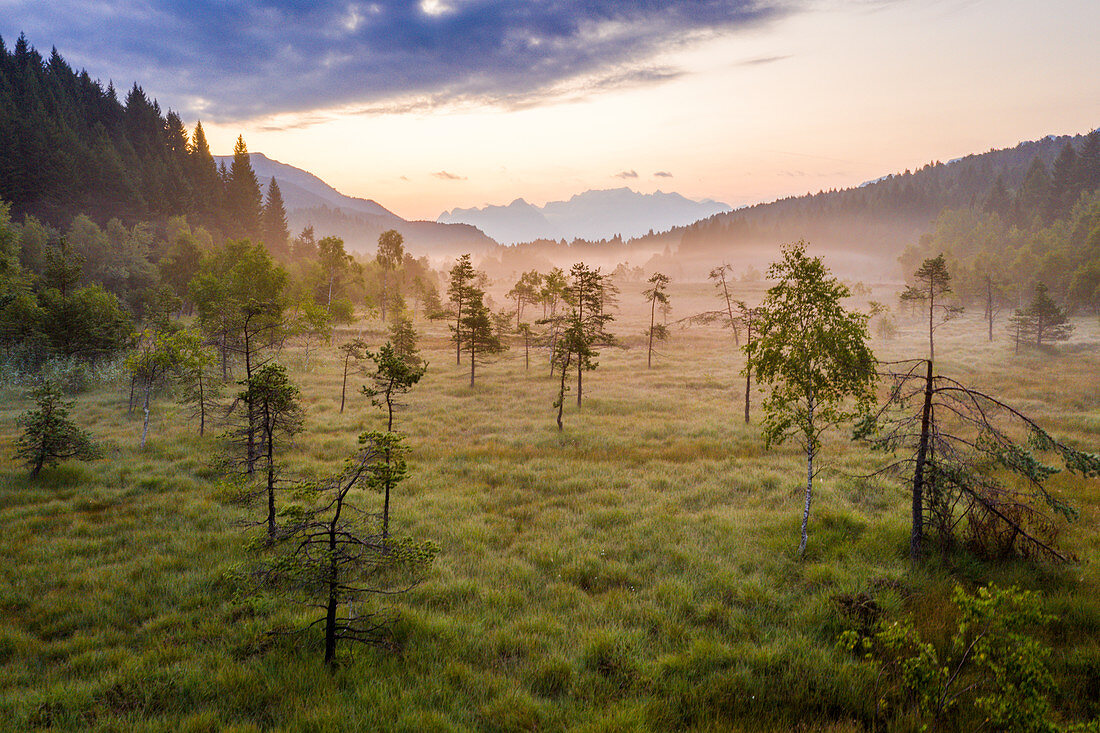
(634, 572)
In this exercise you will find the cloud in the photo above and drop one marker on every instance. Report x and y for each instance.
(662, 174)
(627, 174)
(251, 58)
(448, 176)
(763, 60)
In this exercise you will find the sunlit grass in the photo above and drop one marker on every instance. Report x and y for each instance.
(636, 571)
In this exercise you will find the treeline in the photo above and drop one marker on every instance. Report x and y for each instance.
(1045, 231)
(82, 291)
(70, 146)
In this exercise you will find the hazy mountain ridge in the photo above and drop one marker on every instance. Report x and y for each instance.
(591, 215)
(310, 201)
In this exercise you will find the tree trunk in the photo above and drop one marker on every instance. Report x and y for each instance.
(130, 409)
(652, 316)
(202, 405)
(333, 598)
(386, 505)
(344, 384)
(916, 534)
(580, 379)
(458, 332)
(145, 407)
(561, 392)
(810, 448)
(748, 367)
(931, 310)
(270, 482)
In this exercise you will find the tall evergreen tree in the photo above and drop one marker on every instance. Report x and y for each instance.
(244, 201)
(207, 189)
(276, 231)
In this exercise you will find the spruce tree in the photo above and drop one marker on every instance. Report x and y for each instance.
(244, 201)
(276, 231)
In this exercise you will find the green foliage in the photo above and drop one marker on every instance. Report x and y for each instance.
(329, 555)
(656, 294)
(812, 354)
(810, 351)
(1041, 321)
(404, 339)
(49, 436)
(933, 284)
(393, 376)
(992, 667)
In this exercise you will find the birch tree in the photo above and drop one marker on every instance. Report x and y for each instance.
(812, 354)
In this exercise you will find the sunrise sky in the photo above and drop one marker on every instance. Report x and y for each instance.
(443, 103)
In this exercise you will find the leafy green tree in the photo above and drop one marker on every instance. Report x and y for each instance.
(335, 261)
(813, 356)
(313, 325)
(526, 291)
(49, 436)
(156, 355)
(279, 416)
(87, 322)
(656, 293)
(198, 384)
(572, 346)
(393, 376)
(933, 282)
(391, 252)
(587, 319)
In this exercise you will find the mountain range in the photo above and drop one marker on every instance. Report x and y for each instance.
(310, 201)
(591, 215)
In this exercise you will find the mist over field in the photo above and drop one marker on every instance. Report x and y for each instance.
(615, 456)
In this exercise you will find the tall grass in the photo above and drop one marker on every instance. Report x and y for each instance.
(635, 572)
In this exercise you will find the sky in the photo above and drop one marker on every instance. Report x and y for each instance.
(428, 105)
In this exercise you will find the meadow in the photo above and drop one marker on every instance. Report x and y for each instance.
(636, 571)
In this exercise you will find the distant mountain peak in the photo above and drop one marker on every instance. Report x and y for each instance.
(593, 214)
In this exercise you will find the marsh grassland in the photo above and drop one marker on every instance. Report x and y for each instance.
(636, 571)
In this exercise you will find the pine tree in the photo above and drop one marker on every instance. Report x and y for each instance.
(49, 436)
(459, 289)
(1042, 320)
(1063, 184)
(276, 231)
(476, 331)
(933, 283)
(206, 185)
